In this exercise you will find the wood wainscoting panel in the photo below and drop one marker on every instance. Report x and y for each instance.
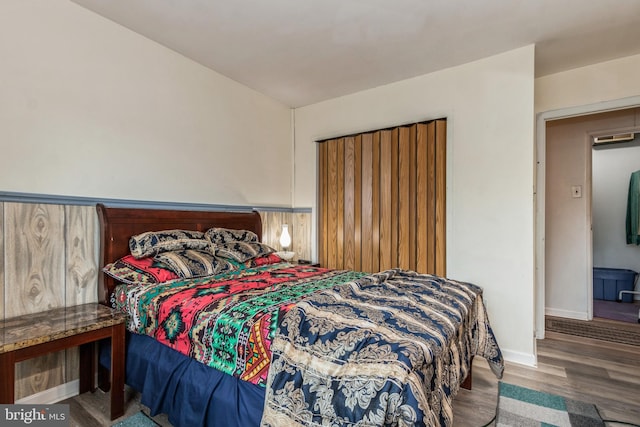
(82, 249)
(272, 227)
(34, 261)
(39, 374)
(301, 235)
(35, 281)
(299, 228)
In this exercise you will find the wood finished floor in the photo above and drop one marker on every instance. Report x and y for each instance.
(599, 372)
(603, 373)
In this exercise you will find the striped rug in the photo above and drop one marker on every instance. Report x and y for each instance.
(139, 419)
(522, 407)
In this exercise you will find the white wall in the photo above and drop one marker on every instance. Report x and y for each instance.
(588, 85)
(568, 220)
(89, 108)
(489, 109)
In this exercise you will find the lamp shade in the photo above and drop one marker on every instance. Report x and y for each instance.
(285, 237)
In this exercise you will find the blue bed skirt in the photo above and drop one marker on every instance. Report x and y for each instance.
(190, 393)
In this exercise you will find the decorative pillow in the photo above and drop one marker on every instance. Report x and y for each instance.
(190, 263)
(142, 271)
(272, 258)
(224, 236)
(152, 243)
(243, 251)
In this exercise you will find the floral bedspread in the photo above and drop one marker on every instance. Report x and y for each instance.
(226, 322)
(388, 349)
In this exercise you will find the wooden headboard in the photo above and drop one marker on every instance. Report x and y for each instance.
(117, 225)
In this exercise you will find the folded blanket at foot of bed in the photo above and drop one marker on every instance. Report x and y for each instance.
(386, 349)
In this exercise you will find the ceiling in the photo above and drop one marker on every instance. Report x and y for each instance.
(304, 51)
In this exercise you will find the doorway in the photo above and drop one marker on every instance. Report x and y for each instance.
(616, 260)
(564, 242)
(586, 202)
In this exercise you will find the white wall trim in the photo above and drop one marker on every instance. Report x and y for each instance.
(520, 358)
(52, 395)
(569, 314)
(541, 119)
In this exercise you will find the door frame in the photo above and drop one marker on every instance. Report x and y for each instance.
(540, 194)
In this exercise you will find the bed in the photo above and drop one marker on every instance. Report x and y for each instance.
(255, 340)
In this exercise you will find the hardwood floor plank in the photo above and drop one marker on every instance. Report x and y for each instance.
(621, 363)
(632, 377)
(578, 368)
(80, 416)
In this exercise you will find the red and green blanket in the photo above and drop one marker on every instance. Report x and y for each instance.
(226, 322)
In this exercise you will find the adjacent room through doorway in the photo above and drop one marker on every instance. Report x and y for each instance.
(587, 257)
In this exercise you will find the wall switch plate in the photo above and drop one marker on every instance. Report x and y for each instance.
(576, 191)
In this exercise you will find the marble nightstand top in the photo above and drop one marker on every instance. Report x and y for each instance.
(32, 329)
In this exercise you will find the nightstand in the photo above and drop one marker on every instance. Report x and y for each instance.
(32, 335)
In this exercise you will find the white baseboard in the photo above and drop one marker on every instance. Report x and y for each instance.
(557, 312)
(520, 358)
(52, 395)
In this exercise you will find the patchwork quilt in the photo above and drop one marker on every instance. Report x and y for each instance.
(331, 347)
(227, 321)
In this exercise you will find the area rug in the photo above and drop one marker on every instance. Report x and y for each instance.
(522, 407)
(139, 419)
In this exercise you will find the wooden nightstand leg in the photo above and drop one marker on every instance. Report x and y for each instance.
(87, 367)
(117, 371)
(8, 374)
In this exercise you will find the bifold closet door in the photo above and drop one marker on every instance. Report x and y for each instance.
(381, 199)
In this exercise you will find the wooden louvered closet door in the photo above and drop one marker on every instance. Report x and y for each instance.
(382, 199)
